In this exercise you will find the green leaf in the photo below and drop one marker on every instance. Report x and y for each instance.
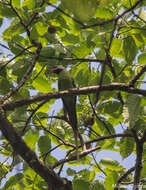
(82, 9)
(13, 180)
(111, 179)
(80, 185)
(16, 3)
(104, 13)
(142, 58)
(116, 48)
(28, 3)
(109, 107)
(6, 11)
(3, 169)
(128, 3)
(31, 138)
(111, 164)
(81, 50)
(70, 39)
(131, 110)
(41, 28)
(46, 52)
(71, 172)
(130, 49)
(44, 144)
(126, 147)
(98, 185)
(20, 67)
(86, 175)
(41, 84)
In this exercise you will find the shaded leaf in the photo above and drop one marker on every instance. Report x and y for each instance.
(80, 184)
(44, 144)
(130, 49)
(126, 147)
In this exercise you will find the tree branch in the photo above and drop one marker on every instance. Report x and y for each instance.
(123, 177)
(136, 77)
(81, 155)
(53, 181)
(114, 19)
(85, 90)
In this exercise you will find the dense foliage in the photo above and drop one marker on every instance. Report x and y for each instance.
(102, 44)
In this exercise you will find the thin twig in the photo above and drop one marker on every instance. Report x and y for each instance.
(21, 52)
(72, 158)
(31, 115)
(98, 164)
(137, 76)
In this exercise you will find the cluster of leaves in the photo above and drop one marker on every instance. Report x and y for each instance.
(81, 35)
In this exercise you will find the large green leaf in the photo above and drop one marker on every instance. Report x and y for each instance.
(111, 179)
(130, 49)
(41, 84)
(104, 13)
(111, 164)
(131, 110)
(44, 144)
(80, 184)
(28, 3)
(82, 9)
(31, 138)
(16, 3)
(126, 147)
(116, 48)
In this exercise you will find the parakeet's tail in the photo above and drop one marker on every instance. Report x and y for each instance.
(76, 135)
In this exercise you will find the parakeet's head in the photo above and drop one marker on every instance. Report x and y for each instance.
(57, 69)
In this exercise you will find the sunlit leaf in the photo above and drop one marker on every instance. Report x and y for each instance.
(131, 110)
(142, 58)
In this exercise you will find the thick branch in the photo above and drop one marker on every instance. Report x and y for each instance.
(75, 91)
(53, 181)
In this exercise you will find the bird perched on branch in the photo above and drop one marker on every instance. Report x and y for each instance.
(66, 82)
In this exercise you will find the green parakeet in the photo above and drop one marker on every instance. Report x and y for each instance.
(65, 82)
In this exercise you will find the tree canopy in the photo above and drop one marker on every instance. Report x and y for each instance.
(102, 44)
